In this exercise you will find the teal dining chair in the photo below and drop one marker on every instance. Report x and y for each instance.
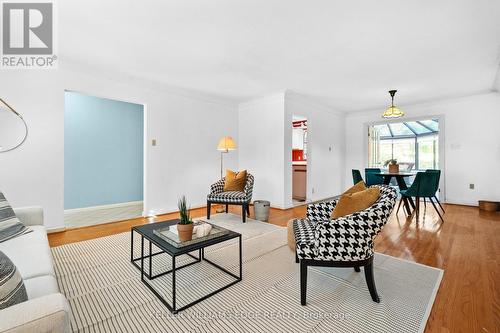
(356, 176)
(424, 186)
(438, 172)
(371, 177)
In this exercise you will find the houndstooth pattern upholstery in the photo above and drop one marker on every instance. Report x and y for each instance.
(303, 230)
(320, 210)
(217, 194)
(348, 238)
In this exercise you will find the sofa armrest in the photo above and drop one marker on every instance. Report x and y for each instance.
(30, 215)
(45, 314)
(249, 187)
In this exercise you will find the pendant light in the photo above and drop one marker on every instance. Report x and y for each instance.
(392, 111)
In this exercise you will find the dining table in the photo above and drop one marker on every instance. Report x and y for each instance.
(400, 179)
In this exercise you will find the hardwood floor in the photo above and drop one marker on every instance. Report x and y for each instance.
(466, 246)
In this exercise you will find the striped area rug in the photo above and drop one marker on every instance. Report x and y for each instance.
(106, 294)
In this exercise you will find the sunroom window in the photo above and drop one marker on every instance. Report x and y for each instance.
(414, 144)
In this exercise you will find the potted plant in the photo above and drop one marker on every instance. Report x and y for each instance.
(393, 165)
(185, 225)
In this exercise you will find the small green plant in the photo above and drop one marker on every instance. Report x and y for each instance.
(391, 161)
(184, 213)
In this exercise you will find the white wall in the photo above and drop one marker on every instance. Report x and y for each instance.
(471, 144)
(187, 127)
(261, 146)
(496, 82)
(325, 147)
(265, 147)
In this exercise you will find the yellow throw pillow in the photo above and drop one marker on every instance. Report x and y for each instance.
(235, 181)
(355, 202)
(360, 186)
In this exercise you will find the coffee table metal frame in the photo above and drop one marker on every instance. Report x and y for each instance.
(146, 232)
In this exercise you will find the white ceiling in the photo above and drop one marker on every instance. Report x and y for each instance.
(346, 54)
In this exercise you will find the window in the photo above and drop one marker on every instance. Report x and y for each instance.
(414, 144)
(428, 156)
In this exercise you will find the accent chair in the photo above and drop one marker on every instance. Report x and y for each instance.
(343, 242)
(218, 196)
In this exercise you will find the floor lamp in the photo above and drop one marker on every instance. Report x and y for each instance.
(225, 145)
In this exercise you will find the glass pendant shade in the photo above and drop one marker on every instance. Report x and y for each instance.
(393, 112)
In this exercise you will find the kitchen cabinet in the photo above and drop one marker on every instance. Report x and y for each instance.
(299, 181)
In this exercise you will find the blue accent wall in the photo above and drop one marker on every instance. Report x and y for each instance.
(103, 151)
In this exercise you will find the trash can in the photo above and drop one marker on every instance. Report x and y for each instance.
(261, 210)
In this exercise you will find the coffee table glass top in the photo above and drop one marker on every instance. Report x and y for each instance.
(166, 233)
(159, 234)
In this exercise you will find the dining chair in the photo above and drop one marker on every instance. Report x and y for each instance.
(372, 178)
(356, 176)
(424, 186)
(438, 172)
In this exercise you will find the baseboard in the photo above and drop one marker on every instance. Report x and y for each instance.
(56, 230)
(94, 208)
(460, 202)
(163, 211)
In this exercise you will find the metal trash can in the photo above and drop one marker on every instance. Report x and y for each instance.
(261, 210)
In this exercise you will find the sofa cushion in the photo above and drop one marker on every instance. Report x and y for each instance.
(12, 290)
(10, 226)
(230, 197)
(30, 253)
(40, 286)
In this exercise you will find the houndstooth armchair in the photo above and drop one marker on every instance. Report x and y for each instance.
(343, 242)
(218, 196)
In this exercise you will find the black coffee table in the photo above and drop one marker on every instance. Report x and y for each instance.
(147, 232)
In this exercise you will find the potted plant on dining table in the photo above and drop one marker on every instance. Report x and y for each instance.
(393, 165)
(185, 225)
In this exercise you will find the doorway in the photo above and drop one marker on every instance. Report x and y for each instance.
(103, 160)
(299, 159)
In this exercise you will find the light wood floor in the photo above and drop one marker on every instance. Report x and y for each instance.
(466, 246)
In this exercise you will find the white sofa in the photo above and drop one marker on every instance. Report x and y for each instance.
(46, 310)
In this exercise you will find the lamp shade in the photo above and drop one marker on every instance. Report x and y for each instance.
(226, 143)
(393, 112)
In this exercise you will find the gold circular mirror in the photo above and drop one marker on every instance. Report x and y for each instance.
(13, 128)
